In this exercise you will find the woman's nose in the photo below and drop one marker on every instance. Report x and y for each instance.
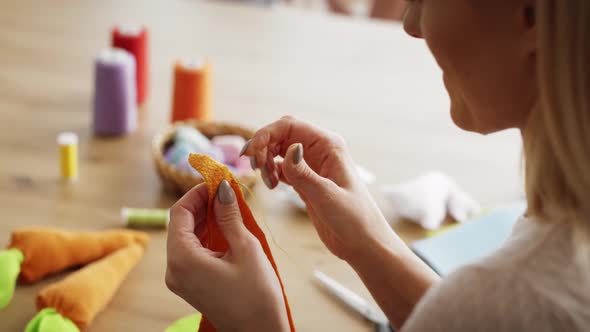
(412, 20)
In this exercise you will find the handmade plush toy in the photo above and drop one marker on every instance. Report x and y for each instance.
(213, 173)
(35, 253)
(83, 294)
(427, 199)
(47, 251)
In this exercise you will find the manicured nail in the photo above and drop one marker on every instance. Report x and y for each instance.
(225, 193)
(253, 162)
(245, 147)
(266, 177)
(298, 154)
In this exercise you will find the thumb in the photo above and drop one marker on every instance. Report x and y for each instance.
(228, 215)
(303, 179)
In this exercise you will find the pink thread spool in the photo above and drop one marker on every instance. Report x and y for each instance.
(115, 107)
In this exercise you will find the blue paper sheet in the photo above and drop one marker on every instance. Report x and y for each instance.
(470, 241)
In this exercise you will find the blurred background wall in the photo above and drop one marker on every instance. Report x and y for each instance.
(377, 9)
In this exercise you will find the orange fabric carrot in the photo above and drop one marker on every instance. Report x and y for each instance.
(213, 173)
(47, 251)
(83, 294)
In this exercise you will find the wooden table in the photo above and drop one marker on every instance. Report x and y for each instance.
(366, 80)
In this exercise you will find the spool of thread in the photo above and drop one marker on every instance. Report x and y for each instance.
(134, 39)
(68, 153)
(115, 109)
(192, 91)
(138, 218)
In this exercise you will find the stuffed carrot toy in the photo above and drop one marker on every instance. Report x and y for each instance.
(213, 173)
(35, 253)
(47, 251)
(83, 294)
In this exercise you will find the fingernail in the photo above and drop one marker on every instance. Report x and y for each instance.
(266, 177)
(225, 193)
(298, 154)
(253, 162)
(245, 147)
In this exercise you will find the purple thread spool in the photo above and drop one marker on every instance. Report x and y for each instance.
(115, 107)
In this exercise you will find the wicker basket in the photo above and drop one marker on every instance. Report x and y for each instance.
(179, 182)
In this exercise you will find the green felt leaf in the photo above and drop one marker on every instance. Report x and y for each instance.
(33, 325)
(48, 320)
(186, 324)
(57, 323)
(10, 262)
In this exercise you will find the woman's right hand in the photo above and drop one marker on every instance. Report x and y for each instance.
(338, 202)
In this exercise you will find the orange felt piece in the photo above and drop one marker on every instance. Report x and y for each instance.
(49, 251)
(213, 173)
(86, 292)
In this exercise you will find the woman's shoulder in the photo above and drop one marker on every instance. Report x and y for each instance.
(480, 298)
(526, 285)
(470, 299)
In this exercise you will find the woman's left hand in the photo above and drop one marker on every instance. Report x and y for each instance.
(237, 290)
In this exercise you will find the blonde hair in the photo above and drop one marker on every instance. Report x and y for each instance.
(557, 137)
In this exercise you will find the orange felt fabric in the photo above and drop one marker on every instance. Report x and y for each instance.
(213, 173)
(49, 251)
(84, 293)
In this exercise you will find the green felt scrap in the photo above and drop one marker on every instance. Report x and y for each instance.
(48, 320)
(186, 324)
(10, 262)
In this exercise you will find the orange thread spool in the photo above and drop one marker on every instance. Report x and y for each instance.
(192, 91)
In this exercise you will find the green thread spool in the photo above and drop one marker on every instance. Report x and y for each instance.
(145, 218)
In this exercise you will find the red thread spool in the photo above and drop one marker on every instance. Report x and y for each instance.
(135, 41)
(192, 91)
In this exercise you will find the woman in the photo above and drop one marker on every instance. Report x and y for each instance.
(507, 64)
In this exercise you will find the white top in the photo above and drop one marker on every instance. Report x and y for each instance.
(116, 56)
(193, 64)
(130, 29)
(531, 284)
(67, 138)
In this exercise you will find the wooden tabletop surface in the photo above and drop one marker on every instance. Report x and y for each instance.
(364, 79)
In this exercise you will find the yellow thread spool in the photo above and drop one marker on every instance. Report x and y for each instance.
(68, 153)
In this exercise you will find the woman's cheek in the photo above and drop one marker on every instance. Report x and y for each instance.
(450, 42)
